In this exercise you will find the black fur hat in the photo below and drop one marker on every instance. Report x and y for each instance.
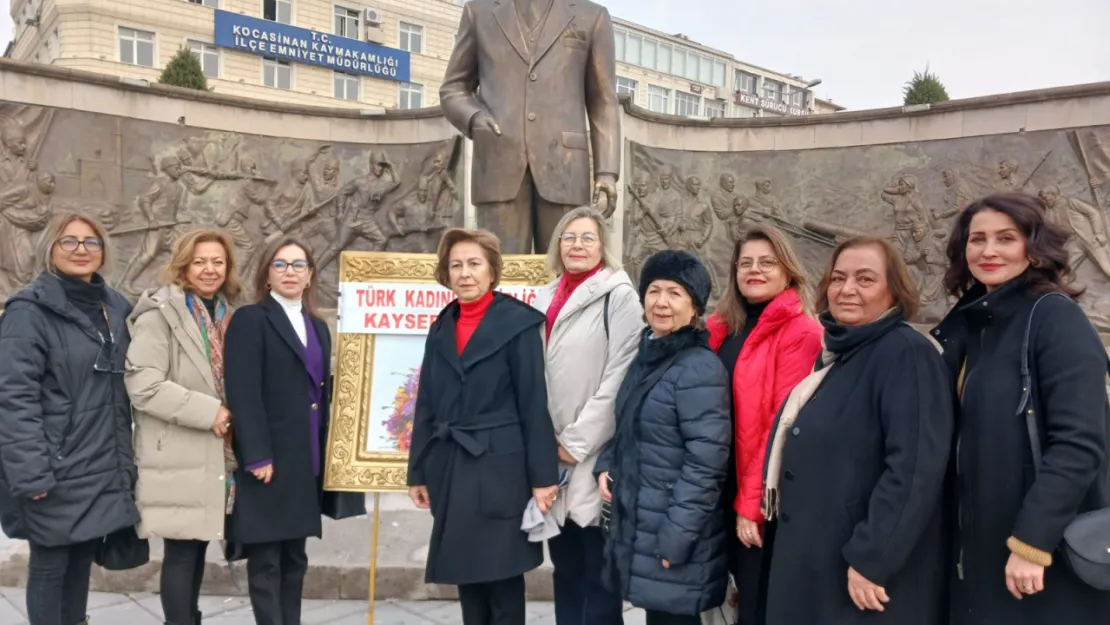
(681, 267)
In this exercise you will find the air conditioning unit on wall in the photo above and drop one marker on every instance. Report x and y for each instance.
(373, 18)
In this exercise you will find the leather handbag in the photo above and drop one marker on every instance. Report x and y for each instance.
(338, 505)
(1086, 545)
(122, 550)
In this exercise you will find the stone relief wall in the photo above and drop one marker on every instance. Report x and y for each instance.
(149, 182)
(907, 192)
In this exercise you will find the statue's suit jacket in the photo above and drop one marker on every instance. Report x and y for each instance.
(539, 100)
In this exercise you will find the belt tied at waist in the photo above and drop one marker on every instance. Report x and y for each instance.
(461, 433)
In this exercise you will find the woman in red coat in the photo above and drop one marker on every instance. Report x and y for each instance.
(767, 341)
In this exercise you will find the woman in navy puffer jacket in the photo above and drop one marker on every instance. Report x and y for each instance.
(664, 468)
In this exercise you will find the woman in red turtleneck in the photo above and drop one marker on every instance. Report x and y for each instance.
(482, 442)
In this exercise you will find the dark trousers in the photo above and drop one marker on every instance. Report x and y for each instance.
(523, 223)
(493, 603)
(275, 577)
(58, 583)
(664, 618)
(580, 597)
(751, 575)
(182, 574)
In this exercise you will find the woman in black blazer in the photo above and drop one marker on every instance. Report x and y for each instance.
(278, 355)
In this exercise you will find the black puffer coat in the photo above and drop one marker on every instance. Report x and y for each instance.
(668, 461)
(65, 419)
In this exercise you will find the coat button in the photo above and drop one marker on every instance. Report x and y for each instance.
(222, 478)
(315, 407)
(532, 76)
(789, 475)
(531, 117)
(796, 431)
(785, 517)
(219, 534)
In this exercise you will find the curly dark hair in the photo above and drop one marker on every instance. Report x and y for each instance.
(1049, 268)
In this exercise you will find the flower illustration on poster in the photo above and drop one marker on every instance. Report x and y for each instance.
(398, 425)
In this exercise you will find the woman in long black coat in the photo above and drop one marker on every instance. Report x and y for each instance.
(664, 468)
(67, 472)
(277, 372)
(1012, 514)
(858, 456)
(482, 441)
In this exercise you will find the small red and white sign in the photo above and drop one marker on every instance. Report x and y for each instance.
(402, 308)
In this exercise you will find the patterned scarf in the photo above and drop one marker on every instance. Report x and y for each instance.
(212, 331)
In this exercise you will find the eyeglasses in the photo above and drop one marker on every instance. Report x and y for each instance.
(70, 243)
(764, 264)
(106, 357)
(298, 265)
(588, 239)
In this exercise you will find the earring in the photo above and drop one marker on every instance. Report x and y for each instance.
(1035, 264)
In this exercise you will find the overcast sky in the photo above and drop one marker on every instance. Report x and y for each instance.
(865, 50)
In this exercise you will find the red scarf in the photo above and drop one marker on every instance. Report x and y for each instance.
(567, 283)
(470, 315)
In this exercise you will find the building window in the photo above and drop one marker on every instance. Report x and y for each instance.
(215, 4)
(663, 58)
(208, 55)
(659, 99)
(346, 22)
(626, 85)
(411, 38)
(632, 49)
(687, 104)
(745, 82)
(618, 44)
(691, 65)
(278, 11)
(277, 73)
(714, 108)
(411, 96)
(346, 86)
(718, 74)
(771, 90)
(797, 97)
(136, 47)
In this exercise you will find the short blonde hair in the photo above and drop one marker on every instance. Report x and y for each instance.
(485, 239)
(184, 250)
(55, 229)
(554, 262)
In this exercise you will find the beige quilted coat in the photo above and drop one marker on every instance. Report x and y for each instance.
(180, 491)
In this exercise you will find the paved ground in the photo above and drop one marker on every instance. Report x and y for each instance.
(145, 609)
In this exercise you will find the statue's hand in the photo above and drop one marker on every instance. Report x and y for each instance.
(483, 119)
(607, 184)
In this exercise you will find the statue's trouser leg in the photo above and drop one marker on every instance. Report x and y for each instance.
(524, 223)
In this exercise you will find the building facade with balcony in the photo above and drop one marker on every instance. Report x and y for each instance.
(367, 54)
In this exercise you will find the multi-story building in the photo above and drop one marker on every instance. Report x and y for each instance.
(368, 54)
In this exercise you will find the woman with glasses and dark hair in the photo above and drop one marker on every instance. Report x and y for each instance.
(1031, 452)
(66, 468)
(277, 358)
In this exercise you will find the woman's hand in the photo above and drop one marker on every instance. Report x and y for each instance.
(747, 531)
(545, 497)
(603, 486)
(222, 422)
(1023, 576)
(38, 497)
(419, 496)
(265, 473)
(865, 595)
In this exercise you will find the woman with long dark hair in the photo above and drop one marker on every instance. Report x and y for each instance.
(1014, 503)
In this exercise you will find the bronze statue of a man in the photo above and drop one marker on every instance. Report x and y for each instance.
(540, 64)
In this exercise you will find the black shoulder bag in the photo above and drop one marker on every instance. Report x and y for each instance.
(1086, 545)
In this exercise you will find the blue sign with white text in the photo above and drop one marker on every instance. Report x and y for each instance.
(266, 38)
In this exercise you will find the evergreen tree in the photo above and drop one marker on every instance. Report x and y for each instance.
(184, 70)
(925, 88)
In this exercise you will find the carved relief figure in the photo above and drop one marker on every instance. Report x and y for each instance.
(14, 166)
(543, 68)
(25, 209)
(696, 226)
(656, 230)
(935, 263)
(1086, 225)
(161, 205)
(253, 190)
(1007, 176)
(765, 200)
(325, 190)
(957, 195)
(911, 220)
(292, 199)
(438, 181)
(358, 203)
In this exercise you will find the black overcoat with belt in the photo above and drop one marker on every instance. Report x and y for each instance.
(481, 441)
(267, 386)
(861, 487)
(999, 495)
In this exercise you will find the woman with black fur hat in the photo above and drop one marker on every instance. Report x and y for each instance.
(663, 469)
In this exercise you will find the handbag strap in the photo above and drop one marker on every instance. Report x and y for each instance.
(1027, 386)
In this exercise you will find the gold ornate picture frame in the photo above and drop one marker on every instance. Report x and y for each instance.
(387, 302)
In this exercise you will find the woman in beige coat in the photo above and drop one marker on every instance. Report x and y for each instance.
(182, 438)
(594, 320)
